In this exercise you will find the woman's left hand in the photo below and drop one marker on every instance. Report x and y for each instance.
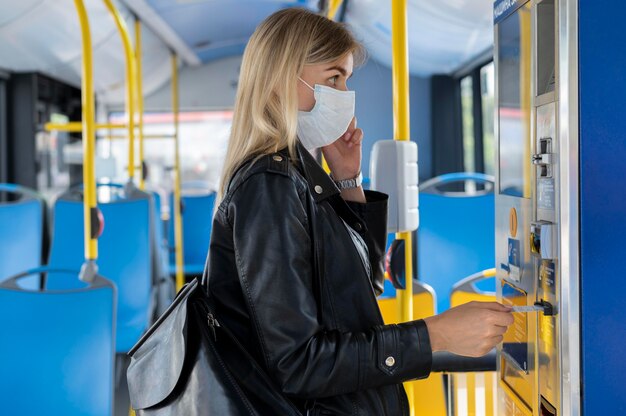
(344, 154)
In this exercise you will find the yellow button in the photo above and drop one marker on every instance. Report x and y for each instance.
(513, 222)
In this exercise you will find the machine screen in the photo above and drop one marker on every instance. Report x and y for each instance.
(514, 103)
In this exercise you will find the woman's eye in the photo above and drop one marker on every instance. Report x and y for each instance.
(333, 80)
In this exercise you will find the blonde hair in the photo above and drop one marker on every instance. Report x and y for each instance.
(266, 106)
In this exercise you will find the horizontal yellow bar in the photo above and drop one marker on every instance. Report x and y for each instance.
(145, 136)
(77, 126)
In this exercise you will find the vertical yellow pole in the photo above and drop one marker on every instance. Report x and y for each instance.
(401, 131)
(178, 223)
(89, 141)
(130, 84)
(139, 85)
(333, 7)
(525, 45)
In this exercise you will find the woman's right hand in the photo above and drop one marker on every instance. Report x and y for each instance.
(471, 329)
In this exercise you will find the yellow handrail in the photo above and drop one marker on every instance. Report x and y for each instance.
(139, 85)
(130, 84)
(145, 136)
(525, 101)
(333, 8)
(77, 126)
(331, 12)
(178, 225)
(401, 131)
(89, 143)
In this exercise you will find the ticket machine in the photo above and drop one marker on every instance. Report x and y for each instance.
(561, 206)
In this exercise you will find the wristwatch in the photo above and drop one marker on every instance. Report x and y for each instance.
(348, 183)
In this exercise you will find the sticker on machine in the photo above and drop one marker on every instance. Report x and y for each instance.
(545, 191)
(546, 276)
(514, 259)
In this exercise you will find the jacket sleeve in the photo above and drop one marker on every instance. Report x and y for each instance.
(273, 252)
(374, 213)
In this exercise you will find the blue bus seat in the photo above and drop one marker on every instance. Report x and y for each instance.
(21, 232)
(456, 237)
(57, 346)
(125, 255)
(197, 216)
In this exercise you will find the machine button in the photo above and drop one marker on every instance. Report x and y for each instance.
(543, 159)
(390, 361)
(318, 189)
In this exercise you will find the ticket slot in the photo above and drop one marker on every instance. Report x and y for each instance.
(546, 409)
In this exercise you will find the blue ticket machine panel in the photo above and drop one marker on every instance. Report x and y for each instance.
(561, 205)
(527, 226)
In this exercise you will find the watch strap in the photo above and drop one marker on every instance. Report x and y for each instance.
(349, 183)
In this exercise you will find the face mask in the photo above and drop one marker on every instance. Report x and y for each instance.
(328, 120)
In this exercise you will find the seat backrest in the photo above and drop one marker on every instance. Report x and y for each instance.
(57, 347)
(456, 238)
(124, 256)
(21, 232)
(197, 220)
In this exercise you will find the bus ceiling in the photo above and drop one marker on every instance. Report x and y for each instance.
(443, 35)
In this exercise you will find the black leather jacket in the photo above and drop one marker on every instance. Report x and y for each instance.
(322, 339)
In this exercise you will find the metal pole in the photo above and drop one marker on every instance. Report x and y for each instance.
(333, 8)
(89, 269)
(139, 85)
(401, 131)
(130, 84)
(77, 126)
(178, 224)
(330, 14)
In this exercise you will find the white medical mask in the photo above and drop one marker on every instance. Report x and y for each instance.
(328, 120)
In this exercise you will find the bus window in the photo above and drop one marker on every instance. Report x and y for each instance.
(467, 114)
(203, 141)
(477, 119)
(487, 97)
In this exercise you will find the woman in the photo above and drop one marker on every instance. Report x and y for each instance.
(296, 255)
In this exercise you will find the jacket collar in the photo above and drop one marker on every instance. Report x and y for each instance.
(322, 187)
(320, 184)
